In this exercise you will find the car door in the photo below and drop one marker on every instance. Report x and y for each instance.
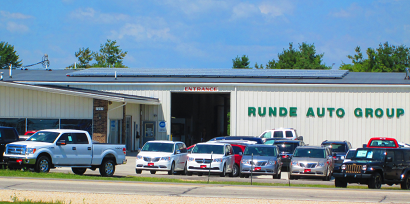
(390, 169)
(183, 155)
(231, 158)
(177, 156)
(65, 154)
(83, 149)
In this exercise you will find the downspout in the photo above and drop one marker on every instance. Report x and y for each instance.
(108, 120)
(236, 110)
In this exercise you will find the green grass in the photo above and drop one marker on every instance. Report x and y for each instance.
(9, 173)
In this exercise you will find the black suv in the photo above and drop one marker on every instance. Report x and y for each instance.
(286, 149)
(339, 150)
(376, 166)
(7, 135)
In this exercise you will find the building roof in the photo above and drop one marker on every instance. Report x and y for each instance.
(107, 75)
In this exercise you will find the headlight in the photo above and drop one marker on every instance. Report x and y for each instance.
(271, 163)
(191, 159)
(217, 160)
(139, 157)
(294, 163)
(30, 151)
(343, 167)
(166, 158)
(342, 157)
(244, 161)
(320, 164)
(364, 168)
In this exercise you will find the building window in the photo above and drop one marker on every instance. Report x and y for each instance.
(40, 124)
(77, 124)
(18, 123)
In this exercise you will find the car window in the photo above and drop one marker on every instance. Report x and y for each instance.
(260, 151)
(287, 147)
(267, 135)
(336, 147)
(370, 154)
(81, 138)
(278, 134)
(383, 143)
(207, 149)
(289, 134)
(236, 149)
(158, 147)
(44, 136)
(68, 137)
(269, 142)
(350, 154)
(312, 153)
(9, 134)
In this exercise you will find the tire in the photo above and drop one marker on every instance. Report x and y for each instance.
(185, 172)
(107, 168)
(293, 177)
(406, 183)
(153, 172)
(247, 176)
(278, 175)
(327, 177)
(188, 173)
(172, 171)
(375, 181)
(235, 170)
(79, 171)
(223, 174)
(42, 165)
(340, 183)
(138, 171)
(241, 175)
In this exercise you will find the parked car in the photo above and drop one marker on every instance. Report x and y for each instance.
(284, 133)
(376, 166)
(261, 160)
(7, 135)
(239, 138)
(271, 141)
(311, 161)
(160, 155)
(64, 148)
(286, 149)
(382, 142)
(215, 158)
(339, 150)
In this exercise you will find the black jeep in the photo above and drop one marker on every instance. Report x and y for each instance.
(376, 166)
(7, 135)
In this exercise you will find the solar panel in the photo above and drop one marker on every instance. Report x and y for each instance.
(210, 73)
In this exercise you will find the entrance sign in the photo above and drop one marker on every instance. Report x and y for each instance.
(205, 89)
(162, 126)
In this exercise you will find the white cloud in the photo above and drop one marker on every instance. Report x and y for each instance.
(244, 10)
(7, 14)
(276, 8)
(17, 28)
(140, 33)
(92, 15)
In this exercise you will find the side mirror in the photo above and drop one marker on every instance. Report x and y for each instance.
(139, 150)
(389, 159)
(240, 153)
(178, 152)
(61, 142)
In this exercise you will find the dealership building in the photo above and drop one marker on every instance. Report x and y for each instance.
(132, 106)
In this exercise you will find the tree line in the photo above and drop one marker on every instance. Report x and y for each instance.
(384, 58)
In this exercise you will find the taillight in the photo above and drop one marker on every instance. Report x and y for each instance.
(125, 151)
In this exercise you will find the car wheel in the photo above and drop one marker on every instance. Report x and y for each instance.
(153, 172)
(172, 171)
(138, 171)
(223, 174)
(293, 178)
(188, 173)
(339, 182)
(247, 176)
(199, 174)
(107, 168)
(42, 165)
(375, 181)
(406, 183)
(185, 172)
(235, 170)
(278, 175)
(79, 171)
(327, 177)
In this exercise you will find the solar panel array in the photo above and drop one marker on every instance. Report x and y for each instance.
(211, 73)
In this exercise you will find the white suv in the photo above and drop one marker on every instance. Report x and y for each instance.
(284, 133)
(161, 155)
(211, 158)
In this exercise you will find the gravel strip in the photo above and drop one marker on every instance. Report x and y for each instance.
(83, 198)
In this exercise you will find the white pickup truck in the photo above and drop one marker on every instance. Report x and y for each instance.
(64, 148)
(280, 133)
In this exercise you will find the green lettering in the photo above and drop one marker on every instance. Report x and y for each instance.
(320, 114)
(251, 111)
(292, 111)
(310, 112)
(272, 111)
(260, 112)
(340, 112)
(283, 111)
(330, 111)
(388, 113)
(358, 112)
(400, 112)
(378, 112)
(369, 112)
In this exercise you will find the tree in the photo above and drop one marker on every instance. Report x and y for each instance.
(386, 58)
(84, 57)
(8, 56)
(241, 62)
(303, 58)
(110, 54)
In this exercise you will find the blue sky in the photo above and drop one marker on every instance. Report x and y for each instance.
(200, 33)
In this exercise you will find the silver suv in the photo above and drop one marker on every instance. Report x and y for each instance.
(311, 161)
(261, 160)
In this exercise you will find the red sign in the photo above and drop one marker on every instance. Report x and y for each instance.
(201, 89)
(203, 166)
(307, 171)
(257, 169)
(150, 164)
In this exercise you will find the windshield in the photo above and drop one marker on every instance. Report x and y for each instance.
(260, 151)
(44, 137)
(287, 147)
(351, 154)
(158, 147)
(269, 142)
(336, 147)
(383, 143)
(370, 154)
(208, 149)
(312, 153)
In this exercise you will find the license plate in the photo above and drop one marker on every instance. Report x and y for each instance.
(307, 170)
(203, 166)
(150, 164)
(257, 169)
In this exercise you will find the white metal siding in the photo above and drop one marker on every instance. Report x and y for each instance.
(38, 104)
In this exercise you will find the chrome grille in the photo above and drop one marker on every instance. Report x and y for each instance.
(16, 149)
(151, 159)
(308, 165)
(353, 169)
(201, 161)
(259, 163)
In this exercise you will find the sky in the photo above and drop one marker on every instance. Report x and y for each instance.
(200, 33)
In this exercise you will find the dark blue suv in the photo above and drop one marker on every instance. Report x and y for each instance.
(339, 149)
